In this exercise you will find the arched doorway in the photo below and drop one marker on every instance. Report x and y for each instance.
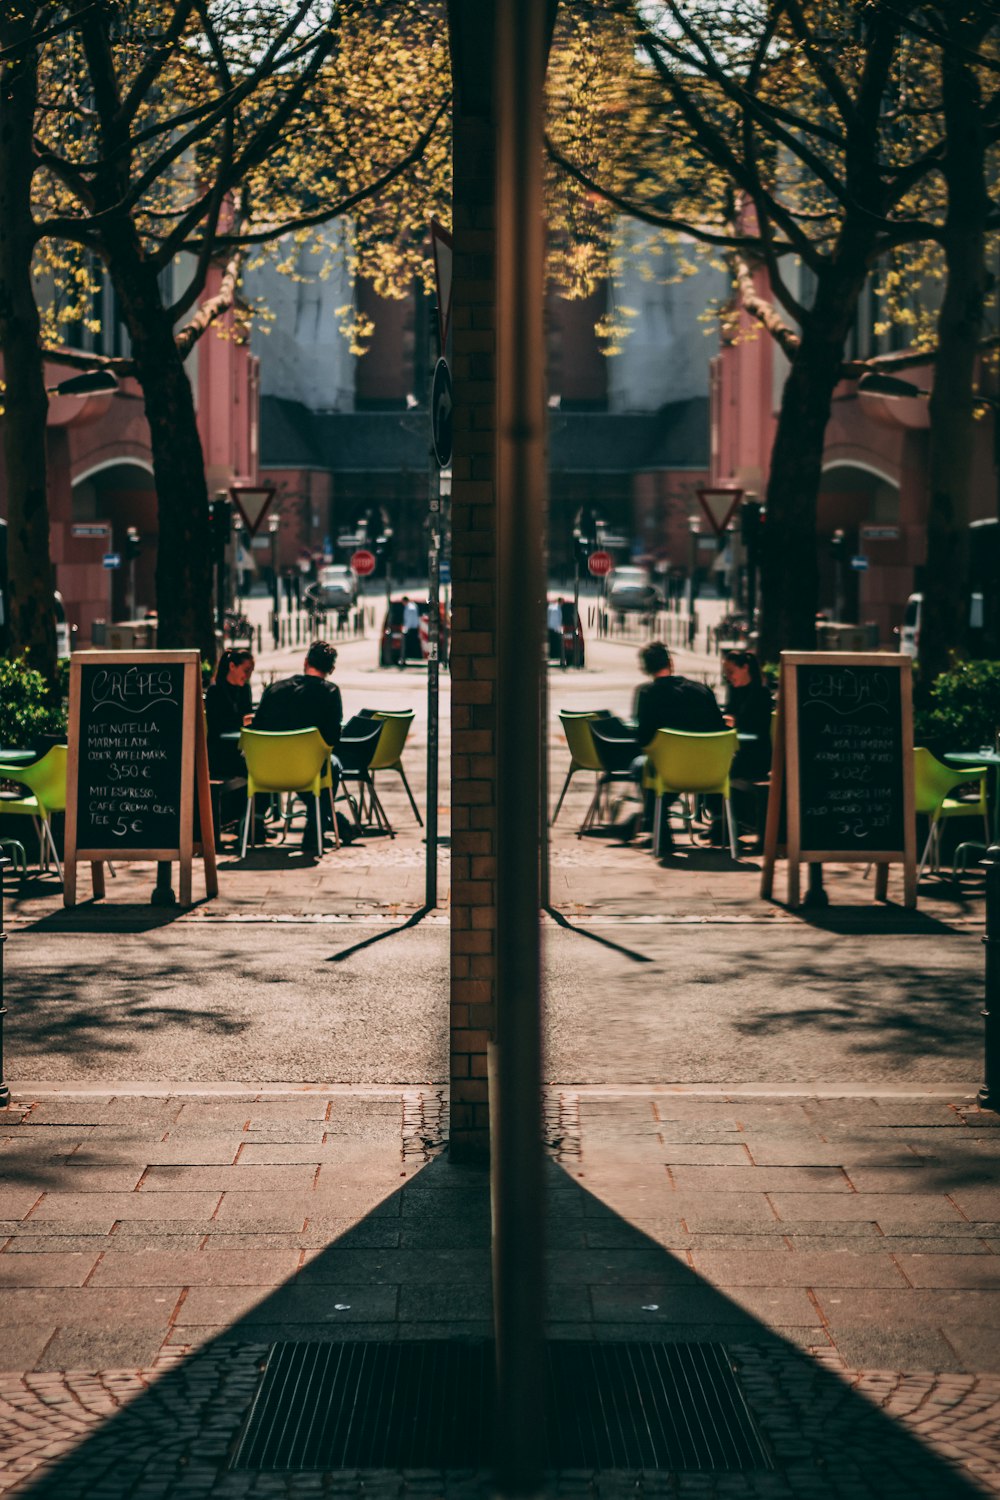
(121, 494)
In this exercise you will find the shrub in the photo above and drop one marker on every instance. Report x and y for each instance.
(964, 708)
(27, 711)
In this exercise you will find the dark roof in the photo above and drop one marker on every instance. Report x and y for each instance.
(293, 437)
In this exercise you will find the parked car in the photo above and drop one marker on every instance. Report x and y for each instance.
(568, 648)
(391, 640)
(336, 588)
(631, 591)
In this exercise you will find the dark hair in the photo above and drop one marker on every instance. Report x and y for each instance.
(745, 659)
(322, 657)
(654, 658)
(230, 658)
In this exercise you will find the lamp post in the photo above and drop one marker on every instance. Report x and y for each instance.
(273, 526)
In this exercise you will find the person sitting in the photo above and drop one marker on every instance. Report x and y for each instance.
(307, 701)
(748, 711)
(228, 707)
(669, 701)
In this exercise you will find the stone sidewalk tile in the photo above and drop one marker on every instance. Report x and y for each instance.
(244, 1178)
(936, 1307)
(728, 1269)
(939, 1270)
(36, 1268)
(79, 1208)
(750, 1178)
(210, 1267)
(876, 1208)
(338, 1303)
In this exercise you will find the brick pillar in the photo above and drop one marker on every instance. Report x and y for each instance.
(473, 642)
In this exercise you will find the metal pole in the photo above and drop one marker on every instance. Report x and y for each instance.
(989, 1094)
(433, 665)
(517, 1160)
(4, 1090)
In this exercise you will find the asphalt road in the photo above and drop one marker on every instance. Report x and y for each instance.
(736, 1002)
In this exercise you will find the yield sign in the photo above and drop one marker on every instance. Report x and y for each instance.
(441, 245)
(252, 502)
(719, 506)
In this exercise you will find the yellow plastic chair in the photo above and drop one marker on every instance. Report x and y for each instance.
(285, 762)
(932, 781)
(46, 783)
(679, 763)
(389, 749)
(583, 757)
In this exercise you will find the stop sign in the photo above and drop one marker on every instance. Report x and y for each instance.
(363, 562)
(600, 564)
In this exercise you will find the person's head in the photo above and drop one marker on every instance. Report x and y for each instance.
(741, 669)
(235, 667)
(321, 658)
(654, 660)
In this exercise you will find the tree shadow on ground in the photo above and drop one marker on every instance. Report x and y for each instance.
(417, 1266)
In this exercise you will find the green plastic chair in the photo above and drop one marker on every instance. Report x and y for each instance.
(389, 749)
(932, 781)
(583, 757)
(678, 763)
(46, 783)
(285, 761)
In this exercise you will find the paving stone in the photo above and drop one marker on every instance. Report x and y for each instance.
(657, 1305)
(447, 1266)
(951, 1270)
(91, 1306)
(876, 1208)
(198, 1268)
(102, 1348)
(756, 1179)
(34, 1269)
(220, 1179)
(288, 1304)
(937, 1308)
(864, 1346)
(82, 1208)
(15, 1202)
(22, 1345)
(796, 1268)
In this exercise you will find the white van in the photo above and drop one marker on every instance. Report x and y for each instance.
(909, 632)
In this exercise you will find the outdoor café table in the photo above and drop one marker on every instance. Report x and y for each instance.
(986, 757)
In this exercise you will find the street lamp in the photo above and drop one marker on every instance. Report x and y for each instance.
(273, 526)
(92, 383)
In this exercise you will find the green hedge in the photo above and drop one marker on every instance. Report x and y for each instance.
(26, 709)
(964, 708)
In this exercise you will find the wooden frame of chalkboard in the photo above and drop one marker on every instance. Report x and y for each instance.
(842, 770)
(137, 784)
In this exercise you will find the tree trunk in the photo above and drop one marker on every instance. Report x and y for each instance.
(789, 570)
(31, 578)
(946, 590)
(184, 558)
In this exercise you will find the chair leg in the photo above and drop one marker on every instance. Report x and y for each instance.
(379, 810)
(732, 829)
(52, 845)
(657, 820)
(927, 849)
(333, 816)
(416, 810)
(592, 813)
(246, 827)
(562, 794)
(319, 829)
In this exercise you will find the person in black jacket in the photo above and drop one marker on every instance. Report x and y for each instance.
(228, 706)
(748, 710)
(307, 701)
(669, 702)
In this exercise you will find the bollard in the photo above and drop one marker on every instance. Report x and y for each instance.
(4, 1090)
(989, 1094)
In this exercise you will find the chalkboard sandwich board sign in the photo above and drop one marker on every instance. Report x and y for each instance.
(137, 770)
(842, 772)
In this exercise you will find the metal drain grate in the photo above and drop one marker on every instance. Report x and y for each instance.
(428, 1405)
